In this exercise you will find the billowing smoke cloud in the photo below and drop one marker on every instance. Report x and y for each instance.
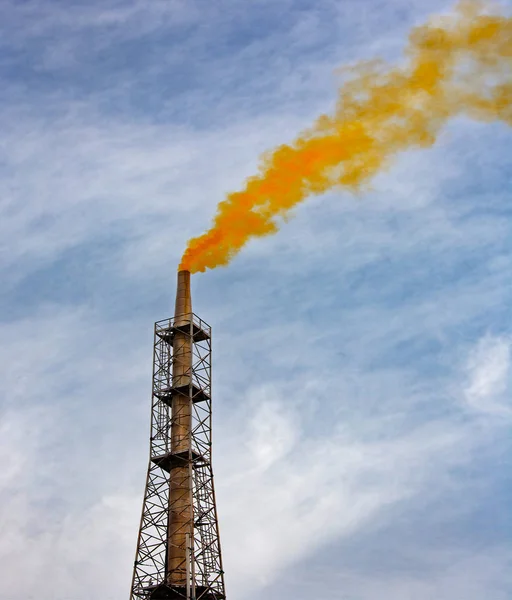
(455, 65)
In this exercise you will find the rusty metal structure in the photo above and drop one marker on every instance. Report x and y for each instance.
(178, 549)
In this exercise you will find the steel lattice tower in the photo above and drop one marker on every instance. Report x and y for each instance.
(178, 550)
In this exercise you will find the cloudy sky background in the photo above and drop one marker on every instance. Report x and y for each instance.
(362, 357)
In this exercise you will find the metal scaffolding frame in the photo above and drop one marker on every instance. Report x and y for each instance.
(203, 568)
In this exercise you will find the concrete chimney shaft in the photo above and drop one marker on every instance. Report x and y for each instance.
(180, 493)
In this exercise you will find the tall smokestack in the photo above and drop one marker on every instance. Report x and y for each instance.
(178, 549)
(180, 493)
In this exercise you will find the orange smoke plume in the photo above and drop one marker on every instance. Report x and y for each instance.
(456, 65)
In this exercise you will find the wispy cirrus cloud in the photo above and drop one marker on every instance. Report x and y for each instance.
(488, 386)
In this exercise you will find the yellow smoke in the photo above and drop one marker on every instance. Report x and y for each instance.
(456, 65)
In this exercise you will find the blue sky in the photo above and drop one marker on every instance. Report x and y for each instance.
(362, 356)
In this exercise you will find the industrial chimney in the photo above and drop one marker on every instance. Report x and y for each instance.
(178, 550)
(180, 492)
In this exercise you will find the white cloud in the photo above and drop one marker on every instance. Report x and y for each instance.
(489, 376)
(323, 486)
